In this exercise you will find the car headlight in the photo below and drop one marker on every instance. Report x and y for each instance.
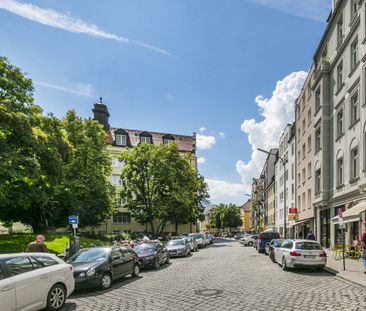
(90, 272)
(82, 274)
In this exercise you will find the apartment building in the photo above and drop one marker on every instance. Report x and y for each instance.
(339, 85)
(122, 139)
(307, 141)
(285, 181)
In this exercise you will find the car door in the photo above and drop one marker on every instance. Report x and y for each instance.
(30, 284)
(117, 262)
(128, 260)
(278, 252)
(7, 291)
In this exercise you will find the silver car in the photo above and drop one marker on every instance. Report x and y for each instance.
(192, 243)
(300, 254)
(200, 239)
(249, 240)
(178, 247)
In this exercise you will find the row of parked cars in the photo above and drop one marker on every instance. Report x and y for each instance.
(289, 253)
(33, 281)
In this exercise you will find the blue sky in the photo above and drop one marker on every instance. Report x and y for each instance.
(226, 69)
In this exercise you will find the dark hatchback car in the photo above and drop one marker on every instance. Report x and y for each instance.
(269, 248)
(264, 238)
(152, 254)
(99, 266)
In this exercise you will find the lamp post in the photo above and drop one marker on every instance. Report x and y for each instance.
(284, 190)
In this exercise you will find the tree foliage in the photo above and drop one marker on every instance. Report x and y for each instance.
(159, 186)
(225, 216)
(37, 153)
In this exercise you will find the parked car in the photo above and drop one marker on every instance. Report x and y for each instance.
(34, 281)
(100, 266)
(210, 238)
(192, 243)
(300, 254)
(249, 240)
(152, 254)
(224, 235)
(264, 238)
(178, 248)
(238, 236)
(200, 239)
(269, 249)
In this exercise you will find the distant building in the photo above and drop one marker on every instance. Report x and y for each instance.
(121, 140)
(246, 209)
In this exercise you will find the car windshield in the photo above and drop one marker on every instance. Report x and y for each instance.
(145, 248)
(89, 255)
(175, 242)
(196, 235)
(277, 242)
(308, 246)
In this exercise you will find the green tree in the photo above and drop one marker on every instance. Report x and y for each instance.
(159, 186)
(86, 191)
(225, 216)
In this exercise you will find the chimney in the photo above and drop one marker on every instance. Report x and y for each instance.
(101, 114)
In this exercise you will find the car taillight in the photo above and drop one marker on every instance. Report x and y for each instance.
(323, 254)
(295, 254)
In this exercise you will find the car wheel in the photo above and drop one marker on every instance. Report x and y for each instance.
(272, 258)
(136, 271)
(106, 281)
(284, 266)
(56, 297)
(250, 243)
(156, 264)
(186, 253)
(167, 260)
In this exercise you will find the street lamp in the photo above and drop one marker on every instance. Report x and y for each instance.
(284, 190)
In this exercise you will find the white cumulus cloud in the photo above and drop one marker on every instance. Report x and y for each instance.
(201, 160)
(205, 142)
(202, 129)
(66, 22)
(276, 112)
(221, 191)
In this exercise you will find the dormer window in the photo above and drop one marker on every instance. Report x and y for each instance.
(167, 139)
(145, 138)
(121, 140)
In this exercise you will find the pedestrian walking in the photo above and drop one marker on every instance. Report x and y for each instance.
(363, 247)
(38, 246)
(310, 236)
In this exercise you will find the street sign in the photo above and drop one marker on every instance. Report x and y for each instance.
(73, 220)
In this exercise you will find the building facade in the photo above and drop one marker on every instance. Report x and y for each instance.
(246, 209)
(122, 140)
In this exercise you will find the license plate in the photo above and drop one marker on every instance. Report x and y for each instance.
(309, 256)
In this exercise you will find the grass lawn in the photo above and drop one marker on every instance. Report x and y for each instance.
(17, 243)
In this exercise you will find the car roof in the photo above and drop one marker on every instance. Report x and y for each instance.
(302, 240)
(26, 254)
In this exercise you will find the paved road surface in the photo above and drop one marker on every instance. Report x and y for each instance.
(225, 276)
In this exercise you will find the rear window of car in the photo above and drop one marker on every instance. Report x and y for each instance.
(308, 246)
(45, 260)
(270, 235)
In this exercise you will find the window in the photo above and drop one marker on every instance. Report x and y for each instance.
(18, 265)
(116, 162)
(303, 126)
(340, 172)
(317, 100)
(309, 198)
(303, 202)
(354, 163)
(119, 202)
(299, 156)
(121, 217)
(303, 151)
(303, 175)
(309, 88)
(340, 30)
(281, 196)
(309, 143)
(116, 180)
(309, 169)
(145, 140)
(292, 171)
(121, 140)
(340, 129)
(354, 108)
(339, 75)
(166, 141)
(46, 261)
(309, 116)
(317, 180)
(354, 7)
(317, 139)
(299, 202)
(292, 191)
(298, 179)
(354, 54)
(292, 148)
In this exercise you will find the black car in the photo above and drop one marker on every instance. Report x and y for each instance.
(99, 266)
(152, 254)
(269, 249)
(264, 238)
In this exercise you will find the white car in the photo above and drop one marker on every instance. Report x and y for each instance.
(34, 281)
(300, 254)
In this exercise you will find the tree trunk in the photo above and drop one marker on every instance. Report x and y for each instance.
(176, 228)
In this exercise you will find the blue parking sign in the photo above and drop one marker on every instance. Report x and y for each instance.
(73, 220)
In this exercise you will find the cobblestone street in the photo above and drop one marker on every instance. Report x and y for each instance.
(226, 276)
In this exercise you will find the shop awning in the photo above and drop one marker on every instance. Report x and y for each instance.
(353, 214)
(298, 223)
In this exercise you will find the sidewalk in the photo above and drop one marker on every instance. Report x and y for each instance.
(354, 269)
